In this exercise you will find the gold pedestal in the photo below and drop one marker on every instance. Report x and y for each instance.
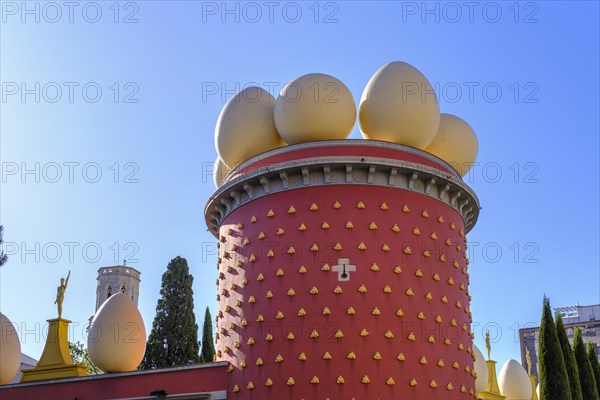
(534, 395)
(56, 361)
(492, 390)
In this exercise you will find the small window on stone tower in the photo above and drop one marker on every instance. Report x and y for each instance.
(109, 292)
(123, 290)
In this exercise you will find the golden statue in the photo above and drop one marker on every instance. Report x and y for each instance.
(60, 293)
(488, 346)
(528, 358)
(56, 360)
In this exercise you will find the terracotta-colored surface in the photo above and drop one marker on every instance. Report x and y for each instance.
(251, 266)
(194, 379)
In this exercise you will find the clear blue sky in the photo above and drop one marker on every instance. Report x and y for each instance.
(524, 75)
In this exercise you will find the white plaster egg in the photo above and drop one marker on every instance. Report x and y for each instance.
(246, 127)
(514, 382)
(455, 143)
(399, 105)
(314, 107)
(117, 336)
(481, 371)
(10, 350)
(220, 171)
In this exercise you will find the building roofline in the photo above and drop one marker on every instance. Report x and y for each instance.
(575, 307)
(118, 375)
(119, 266)
(572, 324)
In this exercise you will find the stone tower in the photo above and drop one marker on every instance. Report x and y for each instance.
(342, 274)
(118, 278)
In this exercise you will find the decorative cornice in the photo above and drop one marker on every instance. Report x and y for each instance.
(241, 189)
(339, 143)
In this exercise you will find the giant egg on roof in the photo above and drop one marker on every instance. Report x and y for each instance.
(399, 105)
(117, 336)
(314, 107)
(245, 127)
(481, 371)
(220, 171)
(10, 350)
(455, 143)
(514, 382)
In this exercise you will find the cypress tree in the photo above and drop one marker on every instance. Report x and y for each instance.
(208, 347)
(554, 382)
(592, 353)
(569, 358)
(3, 256)
(586, 375)
(173, 340)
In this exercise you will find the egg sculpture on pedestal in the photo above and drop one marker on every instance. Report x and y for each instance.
(117, 336)
(314, 107)
(514, 382)
(481, 370)
(10, 350)
(399, 105)
(455, 143)
(245, 127)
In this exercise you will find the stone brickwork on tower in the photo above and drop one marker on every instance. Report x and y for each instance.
(343, 274)
(117, 279)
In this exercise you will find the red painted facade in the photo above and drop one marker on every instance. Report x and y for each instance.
(183, 380)
(398, 329)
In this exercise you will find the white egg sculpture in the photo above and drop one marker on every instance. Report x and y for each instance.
(399, 105)
(117, 336)
(314, 107)
(220, 171)
(455, 143)
(481, 370)
(514, 382)
(246, 127)
(10, 350)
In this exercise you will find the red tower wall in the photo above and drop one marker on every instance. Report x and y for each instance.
(399, 328)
